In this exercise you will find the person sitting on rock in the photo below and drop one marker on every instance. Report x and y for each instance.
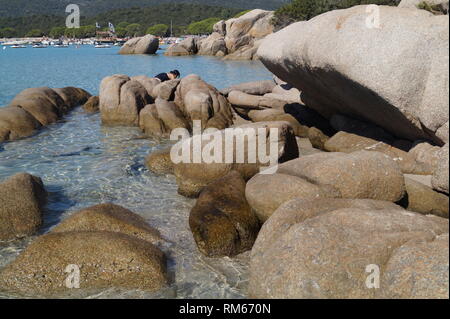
(172, 75)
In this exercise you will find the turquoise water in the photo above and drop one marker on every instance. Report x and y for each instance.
(83, 164)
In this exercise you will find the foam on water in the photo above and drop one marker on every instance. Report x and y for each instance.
(83, 164)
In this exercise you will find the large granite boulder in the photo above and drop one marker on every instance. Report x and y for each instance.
(159, 119)
(104, 260)
(186, 47)
(359, 175)
(213, 45)
(22, 200)
(344, 64)
(440, 175)
(200, 101)
(242, 31)
(192, 176)
(141, 45)
(121, 100)
(326, 249)
(237, 38)
(221, 221)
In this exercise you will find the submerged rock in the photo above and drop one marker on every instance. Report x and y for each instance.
(110, 218)
(159, 162)
(104, 260)
(141, 45)
(22, 200)
(221, 221)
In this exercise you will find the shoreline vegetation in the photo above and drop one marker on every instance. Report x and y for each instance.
(358, 198)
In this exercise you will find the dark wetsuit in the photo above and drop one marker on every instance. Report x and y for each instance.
(163, 77)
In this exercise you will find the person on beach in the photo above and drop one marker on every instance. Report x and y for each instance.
(172, 75)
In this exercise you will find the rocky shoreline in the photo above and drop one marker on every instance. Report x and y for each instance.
(361, 180)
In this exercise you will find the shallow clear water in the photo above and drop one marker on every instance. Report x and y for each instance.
(83, 164)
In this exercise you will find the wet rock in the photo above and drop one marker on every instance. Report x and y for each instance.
(377, 83)
(159, 162)
(73, 96)
(159, 119)
(141, 45)
(121, 100)
(221, 221)
(422, 199)
(92, 105)
(104, 259)
(22, 200)
(440, 175)
(192, 177)
(109, 218)
(16, 123)
(327, 254)
(347, 143)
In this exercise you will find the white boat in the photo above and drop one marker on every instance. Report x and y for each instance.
(61, 46)
(18, 46)
(40, 46)
(102, 46)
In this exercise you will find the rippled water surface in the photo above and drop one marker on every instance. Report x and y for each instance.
(83, 164)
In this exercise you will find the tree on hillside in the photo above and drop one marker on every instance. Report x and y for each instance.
(160, 30)
(35, 33)
(57, 32)
(123, 25)
(134, 30)
(8, 33)
(202, 27)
